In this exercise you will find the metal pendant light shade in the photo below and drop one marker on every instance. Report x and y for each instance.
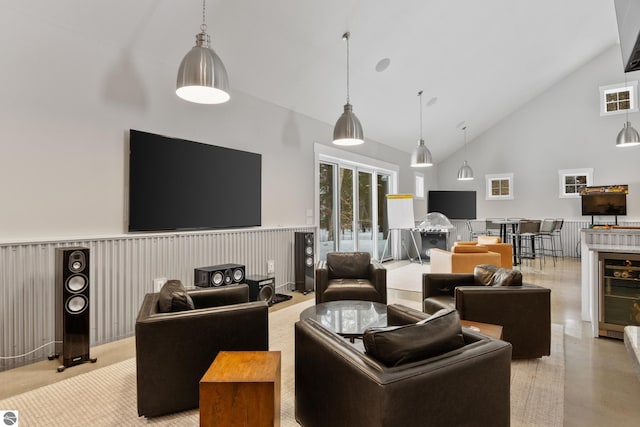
(628, 136)
(202, 77)
(421, 156)
(465, 173)
(348, 130)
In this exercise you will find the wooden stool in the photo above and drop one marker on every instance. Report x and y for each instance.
(241, 388)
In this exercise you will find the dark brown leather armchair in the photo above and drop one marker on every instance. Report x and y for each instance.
(337, 384)
(350, 275)
(523, 310)
(174, 350)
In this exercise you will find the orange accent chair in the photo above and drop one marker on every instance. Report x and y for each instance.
(462, 259)
(494, 244)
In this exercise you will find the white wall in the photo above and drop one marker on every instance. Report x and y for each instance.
(65, 111)
(560, 129)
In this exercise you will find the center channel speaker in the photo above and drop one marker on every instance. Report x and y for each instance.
(304, 261)
(72, 306)
(219, 275)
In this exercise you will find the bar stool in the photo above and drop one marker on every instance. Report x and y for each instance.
(557, 235)
(528, 232)
(545, 235)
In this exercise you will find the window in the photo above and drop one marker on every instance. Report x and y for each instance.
(499, 186)
(572, 181)
(419, 189)
(619, 98)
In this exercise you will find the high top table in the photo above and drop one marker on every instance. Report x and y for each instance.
(503, 234)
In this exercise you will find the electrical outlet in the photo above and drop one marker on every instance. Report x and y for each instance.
(158, 282)
(271, 266)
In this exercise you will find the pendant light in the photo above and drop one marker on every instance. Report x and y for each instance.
(348, 130)
(628, 136)
(421, 156)
(202, 77)
(465, 173)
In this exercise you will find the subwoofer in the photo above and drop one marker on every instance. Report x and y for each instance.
(261, 288)
(304, 261)
(219, 275)
(72, 306)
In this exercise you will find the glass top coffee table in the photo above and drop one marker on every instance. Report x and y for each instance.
(348, 318)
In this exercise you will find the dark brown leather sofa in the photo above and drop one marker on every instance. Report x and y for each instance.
(174, 350)
(350, 276)
(523, 310)
(337, 384)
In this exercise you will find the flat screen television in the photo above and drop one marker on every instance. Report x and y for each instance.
(604, 204)
(175, 184)
(453, 204)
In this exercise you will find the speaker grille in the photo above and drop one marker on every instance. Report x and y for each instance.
(77, 283)
(76, 304)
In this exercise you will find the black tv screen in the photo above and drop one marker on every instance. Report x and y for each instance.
(453, 204)
(175, 184)
(604, 204)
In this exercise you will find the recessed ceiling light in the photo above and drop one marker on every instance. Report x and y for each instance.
(432, 101)
(383, 64)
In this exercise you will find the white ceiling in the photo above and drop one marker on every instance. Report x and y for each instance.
(481, 59)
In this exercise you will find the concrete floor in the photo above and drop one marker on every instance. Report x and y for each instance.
(601, 386)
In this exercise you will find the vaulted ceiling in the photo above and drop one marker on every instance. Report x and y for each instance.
(476, 61)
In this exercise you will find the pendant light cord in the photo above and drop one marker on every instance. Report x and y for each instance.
(464, 129)
(203, 27)
(420, 99)
(345, 36)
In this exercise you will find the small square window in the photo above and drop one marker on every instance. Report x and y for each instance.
(499, 186)
(573, 181)
(619, 98)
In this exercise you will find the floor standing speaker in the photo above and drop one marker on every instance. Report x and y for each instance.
(72, 306)
(304, 255)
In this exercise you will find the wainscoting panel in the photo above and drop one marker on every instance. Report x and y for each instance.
(122, 271)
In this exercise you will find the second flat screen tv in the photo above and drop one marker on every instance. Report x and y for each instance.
(453, 204)
(175, 184)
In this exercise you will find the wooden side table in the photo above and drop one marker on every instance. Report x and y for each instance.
(241, 388)
(493, 331)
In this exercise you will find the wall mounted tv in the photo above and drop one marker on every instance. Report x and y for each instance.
(453, 204)
(604, 204)
(175, 184)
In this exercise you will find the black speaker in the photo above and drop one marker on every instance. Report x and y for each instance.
(219, 275)
(304, 263)
(261, 288)
(72, 306)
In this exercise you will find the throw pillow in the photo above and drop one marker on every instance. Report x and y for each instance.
(488, 240)
(397, 345)
(468, 249)
(465, 243)
(490, 275)
(173, 297)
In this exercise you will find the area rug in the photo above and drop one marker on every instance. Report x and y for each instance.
(107, 396)
(407, 277)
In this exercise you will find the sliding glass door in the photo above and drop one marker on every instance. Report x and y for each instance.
(353, 215)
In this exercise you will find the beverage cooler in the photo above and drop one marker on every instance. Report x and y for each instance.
(619, 293)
